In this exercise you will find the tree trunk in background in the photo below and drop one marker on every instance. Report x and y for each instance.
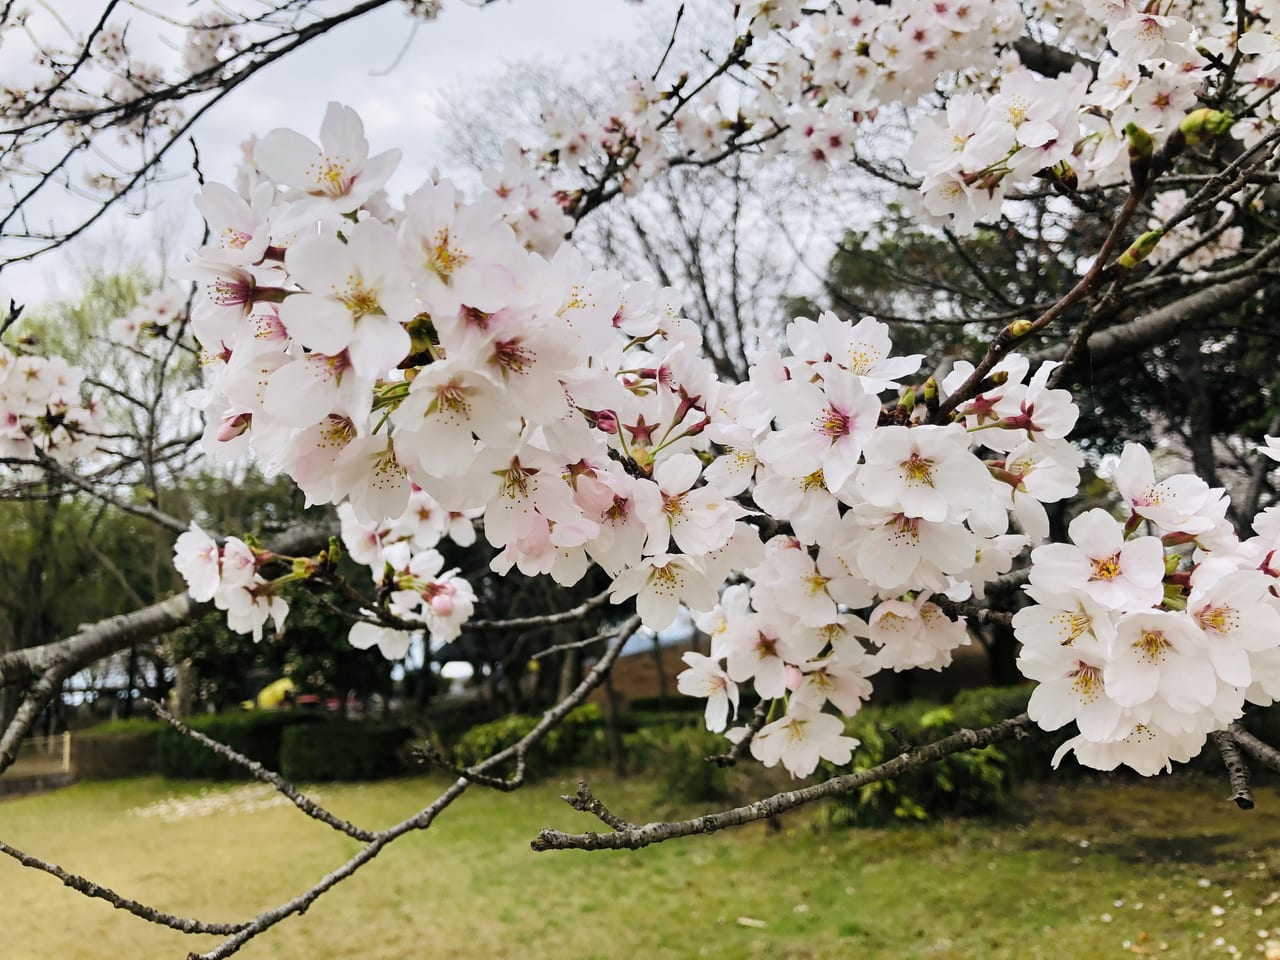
(571, 665)
(1002, 656)
(1199, 408)
(612, 731)
(131, 681)
(9, 696)
(662, 674)
(184, 687)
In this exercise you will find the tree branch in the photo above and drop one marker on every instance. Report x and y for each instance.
(99, 892)
(1237, 768)
(633, 838)
(283, 786)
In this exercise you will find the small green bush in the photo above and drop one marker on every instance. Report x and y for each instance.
(969, 783)
(676, 756)
(343, 751)
(578, 741)
(255, 734)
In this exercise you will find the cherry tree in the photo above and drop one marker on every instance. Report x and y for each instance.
(448, 364)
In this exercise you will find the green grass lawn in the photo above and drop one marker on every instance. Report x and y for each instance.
(1087, 871)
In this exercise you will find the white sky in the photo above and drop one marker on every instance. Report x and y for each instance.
(463, 48)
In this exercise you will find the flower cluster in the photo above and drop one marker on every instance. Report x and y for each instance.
(1190, 246)
(155, 319)
(1146, 648)
(817, 79)
(405, 566)
(42, 411)
(229, 576)
(428, 364)
(886, 511)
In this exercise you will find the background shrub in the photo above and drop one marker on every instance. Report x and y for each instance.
(969, 783)
(343, 751)
(675, 757)
(257, 735)
(109, 755)
(578, 741)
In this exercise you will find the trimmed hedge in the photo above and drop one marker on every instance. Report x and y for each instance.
(146, 724)
(343, 751)
(111, 755)
(256, 734)
(578, 741)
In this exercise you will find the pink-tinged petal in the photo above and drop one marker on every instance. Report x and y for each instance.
(377, 169)
(840, 462)
(392, 644)
(717, 712)
(1051, 706)
(1231, 662)
(1129, 683)
(1059, 566)
(1134, 473)
(657, 610)
(320, 264)
(299, 394)
(378, 344)
(318, 323)
(679, 473)
(1100, 720)
(485, 286)
(698, 592)
(342, 133)
(1032, 517)
(1142, 561)
(1186, 684)
(895, 368)
(887, 560)
(1097, 533)
(284, 156)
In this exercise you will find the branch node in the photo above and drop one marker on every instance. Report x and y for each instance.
(585, 801)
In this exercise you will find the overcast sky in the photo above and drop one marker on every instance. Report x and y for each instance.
(356, 64)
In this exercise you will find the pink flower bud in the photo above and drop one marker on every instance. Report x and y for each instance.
(607, 421)
(233, 426)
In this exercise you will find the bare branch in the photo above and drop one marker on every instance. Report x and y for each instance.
(283, 786)
(99, 892)
(543, 620)
(144, 510)
(634, 838)
(585, 801)
(424, 818)
(1237, 769)
(739, 749)
(1264, 753)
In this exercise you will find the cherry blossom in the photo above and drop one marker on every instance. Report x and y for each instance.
(337, 176)
(802, 738)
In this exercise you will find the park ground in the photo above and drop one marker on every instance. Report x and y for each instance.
(1098, 869)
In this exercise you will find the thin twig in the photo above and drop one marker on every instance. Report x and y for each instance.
(283, 786)
(424, 818)
(739, 749)
(99, 892)
(543, 620)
